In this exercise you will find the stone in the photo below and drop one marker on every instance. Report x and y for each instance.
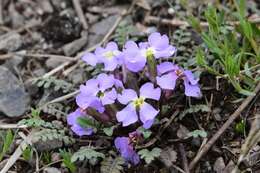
(10, 41)
(53, 62)
(219, 165)
(14, 100)
(73, 47)
(98, 30)
(62, 28)
(51, 170)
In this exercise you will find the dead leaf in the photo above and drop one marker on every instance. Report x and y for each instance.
(219, 165)
(168, 156)
(144, 4)
(182, 132)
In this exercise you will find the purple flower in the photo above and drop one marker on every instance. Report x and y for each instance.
(98, 92)
(109, 56)
(137, 105)
(75, 127)
(168, 73)
(126, 149)
(135, 56)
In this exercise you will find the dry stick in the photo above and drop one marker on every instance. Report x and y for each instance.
(177, 22)
(36, 55)
(65, 97)
(48, 165)
(1, 13)
(224, 127)
(77, 6)
(152, 141)
(184, 158)
(12, 126)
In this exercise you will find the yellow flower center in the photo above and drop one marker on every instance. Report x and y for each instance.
(139, 102)
(149, 52)
(100, 94)
(109, 55)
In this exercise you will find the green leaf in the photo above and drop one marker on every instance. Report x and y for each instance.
(197, 133)
(146, 132)
(8, 140)
(86, 122)
(27, 153)
(240, 127)
(88, 154)
(66, 160)
(241, 5)
(109, 130)
(195, 23)
(149, 156)
(35, 113)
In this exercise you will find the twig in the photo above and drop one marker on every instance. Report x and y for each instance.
(153, 140)
(12, 126)
(36, 55)
(177, 22)
(65, 97)
(48, 165)
(178, 169)
(224, 127)
(70, 69)
(79, 11)
(184, 158)
(1, 13)
(18, 152)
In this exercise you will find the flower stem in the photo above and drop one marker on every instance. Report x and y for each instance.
(152, 68)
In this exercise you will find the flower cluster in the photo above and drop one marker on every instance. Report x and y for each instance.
(122, 94)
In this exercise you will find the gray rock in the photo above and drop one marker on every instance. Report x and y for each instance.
(53, 62)
(219, 165)
(10, 41)
(99, 30)
(46, 6)
(14, 100)
(73, 47)
(51, 170)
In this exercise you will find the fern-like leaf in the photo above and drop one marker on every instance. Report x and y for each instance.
(149, 156)
(194, 109)
(56, 109)
(55, 84)
(52, 134)
(112, 165)
(88, 154)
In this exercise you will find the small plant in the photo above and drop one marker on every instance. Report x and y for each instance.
(7, 142)
(55, 84)
(124, 32)
(128, 91)
(27, 153)
(36, 121)
(225, 57)
(149, 156)
(66, 160)
(52, 134)
(87, 154)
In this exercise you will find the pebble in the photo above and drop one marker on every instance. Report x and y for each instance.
(10, 41)
(14, 100)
